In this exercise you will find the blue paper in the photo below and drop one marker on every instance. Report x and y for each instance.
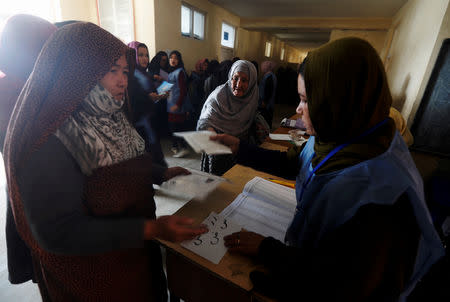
(164, 87)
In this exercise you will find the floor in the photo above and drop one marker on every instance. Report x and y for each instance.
(166, 202)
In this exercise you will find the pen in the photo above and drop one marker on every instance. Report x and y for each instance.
(284, 183)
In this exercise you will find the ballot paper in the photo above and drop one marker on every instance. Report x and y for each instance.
(263, 207)
(211, 245)
(200, 142)
(198, 184)
(280, 137)
(164, 87)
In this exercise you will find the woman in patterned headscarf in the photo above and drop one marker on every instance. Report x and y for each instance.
(79, 180)
(231, 108)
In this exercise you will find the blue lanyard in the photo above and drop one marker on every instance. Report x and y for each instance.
(336, 150)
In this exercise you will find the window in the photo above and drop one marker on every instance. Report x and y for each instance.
(282, 54)
(227, 35)
(46, 9)
(116, 16)
(268, 51)
(192, 22)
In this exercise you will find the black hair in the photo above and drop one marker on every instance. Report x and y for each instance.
(180, 60)
(155, 63)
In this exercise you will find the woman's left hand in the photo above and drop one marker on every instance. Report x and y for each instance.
(174, 108)
(244, 242)
(175, 171)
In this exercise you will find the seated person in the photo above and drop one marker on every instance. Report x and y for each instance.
(232, 108)
(361, 230)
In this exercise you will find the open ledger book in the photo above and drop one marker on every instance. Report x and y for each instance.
(263, 207)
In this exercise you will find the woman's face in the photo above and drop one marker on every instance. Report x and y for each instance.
(163, 62)
(143, 57)
(204, 66)
(302, 108)
(116, 80)
(173, 61)
(239, 83)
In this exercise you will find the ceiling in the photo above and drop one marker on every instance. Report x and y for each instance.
(308, 23)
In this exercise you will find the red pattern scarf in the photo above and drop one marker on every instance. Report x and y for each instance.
(74, 59)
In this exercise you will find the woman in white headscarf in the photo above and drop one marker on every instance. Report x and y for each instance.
(232, 109)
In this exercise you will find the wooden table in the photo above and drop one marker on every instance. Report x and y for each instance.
(193, 278)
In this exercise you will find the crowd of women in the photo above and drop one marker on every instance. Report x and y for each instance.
(81, 155)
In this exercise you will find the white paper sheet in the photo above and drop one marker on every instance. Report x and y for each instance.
(211, 245)
(198, 184)
(263, 207)
(280, 137)
(200, 142)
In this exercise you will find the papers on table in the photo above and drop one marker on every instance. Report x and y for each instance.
(284, 137)
(200, 142)
(263, 207)
(198, 184)
(211, 245)
(280, 137)
(163, 74)
(164, 87)
(297, 139)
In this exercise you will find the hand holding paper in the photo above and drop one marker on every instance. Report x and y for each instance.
(211, 245)
(200, 142)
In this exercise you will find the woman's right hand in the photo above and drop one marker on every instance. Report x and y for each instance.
(173, 228)
(227, 140)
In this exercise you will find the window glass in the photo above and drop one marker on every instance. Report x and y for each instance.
(185, 20)
(268, 50)
(116, 16)
(192, 22)
(227, 35)
(199, 25)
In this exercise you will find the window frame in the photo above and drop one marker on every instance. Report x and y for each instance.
(235, 34)
(132, 16)
(193, 10)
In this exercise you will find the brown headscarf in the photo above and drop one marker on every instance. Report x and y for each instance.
(71, 63)
(347, 93)
(69, 67)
